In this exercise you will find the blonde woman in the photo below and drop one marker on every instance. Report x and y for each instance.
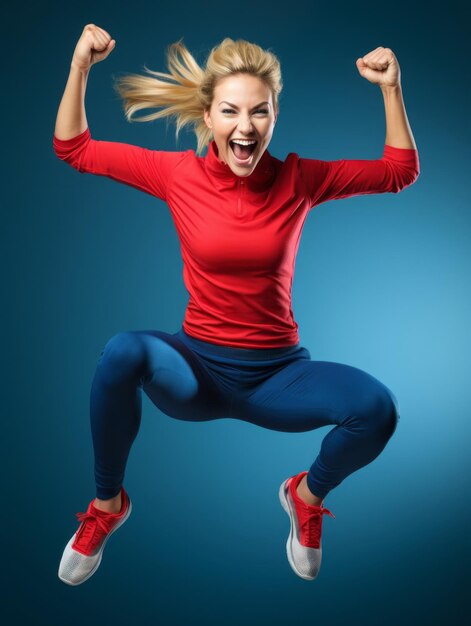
(239, 213)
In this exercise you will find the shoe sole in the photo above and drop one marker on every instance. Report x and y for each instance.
(100, 553)
(289, 508)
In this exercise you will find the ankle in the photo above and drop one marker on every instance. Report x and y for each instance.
(112, 505)
(306, 494)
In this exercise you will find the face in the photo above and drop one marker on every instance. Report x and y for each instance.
(242, 108)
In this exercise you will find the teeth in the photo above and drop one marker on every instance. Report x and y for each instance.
(244, 142)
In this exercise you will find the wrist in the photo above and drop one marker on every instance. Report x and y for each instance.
(77, 68)
(391, 88)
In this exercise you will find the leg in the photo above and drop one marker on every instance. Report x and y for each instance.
(306, 395)
(170, 374)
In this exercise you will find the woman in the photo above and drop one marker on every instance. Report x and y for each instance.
(239, 214)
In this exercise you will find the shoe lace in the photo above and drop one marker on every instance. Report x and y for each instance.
(312, 524)
(92, 529)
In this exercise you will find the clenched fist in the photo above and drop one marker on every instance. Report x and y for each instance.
(94, 45)
(380, 67)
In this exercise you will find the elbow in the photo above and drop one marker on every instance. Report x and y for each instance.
(72, 158)
(59, 154)
(69, 159)
(407, 180)
(402, 177)
(60, 150)
(402, 172)
(72, 150)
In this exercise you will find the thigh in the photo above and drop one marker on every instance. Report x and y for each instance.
(308, 394)
(172, 375)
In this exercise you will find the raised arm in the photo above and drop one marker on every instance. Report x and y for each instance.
(144, 169)
(94, 45)
(381, 67)
(399, 165)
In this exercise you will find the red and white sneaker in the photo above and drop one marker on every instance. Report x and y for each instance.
(82, 555)
(304, 545)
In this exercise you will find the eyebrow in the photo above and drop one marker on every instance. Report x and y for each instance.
(235, 107)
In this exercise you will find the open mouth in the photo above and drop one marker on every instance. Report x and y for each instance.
(243, 154)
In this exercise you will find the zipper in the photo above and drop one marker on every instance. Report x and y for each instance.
(239, 199)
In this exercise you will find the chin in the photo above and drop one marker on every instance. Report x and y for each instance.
(243, 171)
(243, 174)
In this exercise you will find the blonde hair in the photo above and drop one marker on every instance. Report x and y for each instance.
(192, 89)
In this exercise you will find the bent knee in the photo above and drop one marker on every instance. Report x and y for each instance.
(125, 351)
(385, 416)
(378, 415)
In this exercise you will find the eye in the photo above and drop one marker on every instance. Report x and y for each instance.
(232, 111)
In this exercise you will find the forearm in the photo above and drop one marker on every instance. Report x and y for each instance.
(71, 119)
(398, 131)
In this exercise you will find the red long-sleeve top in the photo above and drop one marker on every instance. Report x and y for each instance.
(239, 235)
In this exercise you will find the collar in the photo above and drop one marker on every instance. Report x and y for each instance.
(224, 178)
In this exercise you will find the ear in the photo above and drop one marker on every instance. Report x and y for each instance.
(207, 118)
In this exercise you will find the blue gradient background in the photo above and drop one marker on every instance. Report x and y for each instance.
(382, 283)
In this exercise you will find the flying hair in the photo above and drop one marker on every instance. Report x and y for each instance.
(187, 90)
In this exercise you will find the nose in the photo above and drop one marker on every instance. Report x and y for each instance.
(245, 125)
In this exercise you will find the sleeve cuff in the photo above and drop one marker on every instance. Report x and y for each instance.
(73, 141)
(399, 154)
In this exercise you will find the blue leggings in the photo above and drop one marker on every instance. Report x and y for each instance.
(277, 388)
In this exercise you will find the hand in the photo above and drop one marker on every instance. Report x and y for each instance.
(94, 45)
(380, 67)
